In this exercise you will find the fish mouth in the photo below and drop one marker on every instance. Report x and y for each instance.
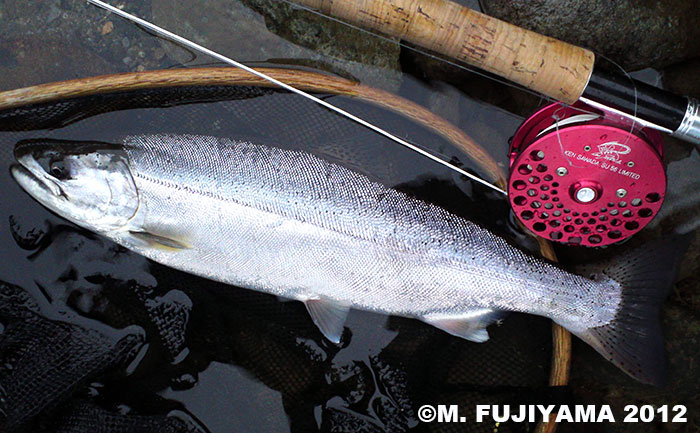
(42, 190)
(87, 183)
(38, 186)
(30, 173)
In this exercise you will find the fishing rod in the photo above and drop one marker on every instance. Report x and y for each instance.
(548, 66)
(582, 174)
(585, 171)
(190, 44)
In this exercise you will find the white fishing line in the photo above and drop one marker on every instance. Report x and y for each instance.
(179, 39)
(633, 116)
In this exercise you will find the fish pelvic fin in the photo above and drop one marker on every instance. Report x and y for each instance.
(158, 241)
(470, 325)
(328, 315)
(633, 340)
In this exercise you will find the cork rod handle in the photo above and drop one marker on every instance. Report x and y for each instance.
(543, 64)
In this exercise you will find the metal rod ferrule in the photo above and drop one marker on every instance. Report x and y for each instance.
(689, 129)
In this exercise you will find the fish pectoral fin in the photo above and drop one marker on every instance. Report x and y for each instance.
(158, 241)
(470, 325)
(329, 315)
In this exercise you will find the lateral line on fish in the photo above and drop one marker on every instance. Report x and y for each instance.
(193, 45)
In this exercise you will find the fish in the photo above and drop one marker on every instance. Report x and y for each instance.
(289, 223)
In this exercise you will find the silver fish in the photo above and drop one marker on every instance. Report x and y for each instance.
(291, 224)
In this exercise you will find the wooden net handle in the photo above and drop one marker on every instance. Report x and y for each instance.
(304, 80)
(543, 64)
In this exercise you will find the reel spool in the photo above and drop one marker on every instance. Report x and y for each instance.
(585, 177)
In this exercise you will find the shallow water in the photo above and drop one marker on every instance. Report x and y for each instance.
(228, 359)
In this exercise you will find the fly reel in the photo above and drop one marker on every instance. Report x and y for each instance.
(585, 177)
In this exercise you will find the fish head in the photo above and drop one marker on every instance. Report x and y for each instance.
(89, 184)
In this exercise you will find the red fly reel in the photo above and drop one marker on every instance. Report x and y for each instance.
(584, 177)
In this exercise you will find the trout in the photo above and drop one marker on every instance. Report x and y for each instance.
(294, 225)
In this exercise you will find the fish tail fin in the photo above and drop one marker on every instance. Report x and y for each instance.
(633, 340)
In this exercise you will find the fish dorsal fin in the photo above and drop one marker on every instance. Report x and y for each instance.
(158, 241)
(328, 315)
(470, 325)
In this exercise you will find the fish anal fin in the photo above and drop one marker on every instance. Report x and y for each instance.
(470, 325)
(328, 315)
(158, 241)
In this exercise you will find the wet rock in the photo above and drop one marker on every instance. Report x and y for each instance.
(21, 58)
(107, 28)
(680, 211)
(635, 34)
(257, 31)
(57, 40)
(683, 78)
(328, 38)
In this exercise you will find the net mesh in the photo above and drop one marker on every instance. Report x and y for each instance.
(115, 331)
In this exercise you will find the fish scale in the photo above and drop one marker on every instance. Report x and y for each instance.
(417, 246)
(294, 225)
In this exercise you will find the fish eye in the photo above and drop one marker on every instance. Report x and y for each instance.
(58, 170)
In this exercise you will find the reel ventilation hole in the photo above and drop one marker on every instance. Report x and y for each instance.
(585, 179)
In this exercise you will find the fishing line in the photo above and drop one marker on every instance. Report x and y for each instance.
(458, 65)
(634, 118)
(634, 86)
(417, 50)
(179, 39)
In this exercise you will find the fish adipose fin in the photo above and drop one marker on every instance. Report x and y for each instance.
(329, 316)
(470, 325)
(633, 340)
